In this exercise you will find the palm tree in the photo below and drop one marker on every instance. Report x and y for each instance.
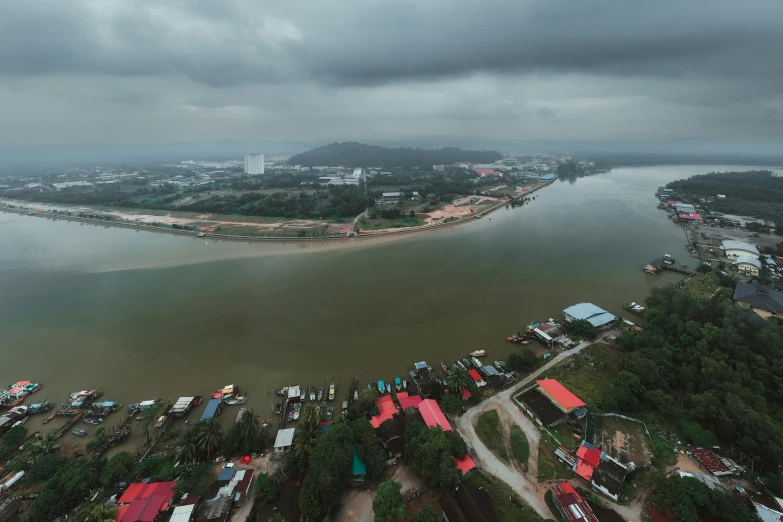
(188, 452)
(249, 424)
(304, 441)
(459, 379)
(277, 518)
(102, 513)
(210, 435)
(43, 445)
(310, 417)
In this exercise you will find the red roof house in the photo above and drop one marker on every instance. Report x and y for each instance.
(487, 172)
(571, 505)
(144, 501)
(588, 458)
(560, 395)
(386, 408)
(466, 394)
(433, 415)
(465, 464)
(408, 401)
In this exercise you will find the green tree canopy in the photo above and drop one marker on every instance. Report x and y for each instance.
(388, 504)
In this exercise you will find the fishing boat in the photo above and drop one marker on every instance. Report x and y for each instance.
(356, 395)
(478, 353)
(93, 420)
(238, 400)
(331, 392)
(404, 385)
(388, 387)
(282, 392)
(142, 408)
(444, 367)
(381, 387)
(278, 407)
(320, 393)
(329, 413)
(13, 397)
(29, 387)
(369, 386)
(240, 414)
(291, 414)
(21, 411)
(398, 383)
(77, 399)
(48, 419)
(312, 393)
(297, 409)
(303, 396)
(161, 421)
(79, 432)
(344, 408)
(227, 392)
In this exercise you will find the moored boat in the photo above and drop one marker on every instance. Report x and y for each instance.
(282, 392)
(381, 387)
(398, 383)
(241, 414)
(227, 392)
(344, 408)
(290, 415)
(161, 421)
(21, 411)
(320, 393)
(238, 400)
(369, 386)
(329, 413)
(388, 387)
(79, 432)
(478, 353)
(404, 385)
(93, 420)
(312, 393)
(29, 387)
(444, 367)
(48, 419)
(297, 410)
(331, 392)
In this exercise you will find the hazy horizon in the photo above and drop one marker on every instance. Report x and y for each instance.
(184, 72)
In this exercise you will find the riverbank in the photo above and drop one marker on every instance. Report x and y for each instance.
(151, 224)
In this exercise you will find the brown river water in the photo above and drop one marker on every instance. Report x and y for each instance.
(143, 315)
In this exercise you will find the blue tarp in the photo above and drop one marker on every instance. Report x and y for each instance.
(211, 409)
(359, 467)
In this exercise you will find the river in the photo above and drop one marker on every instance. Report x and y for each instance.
(142, 315)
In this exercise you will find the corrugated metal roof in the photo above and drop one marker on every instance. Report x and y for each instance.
(284, 438)
(588, 311)
(747, 260)
(731, 244)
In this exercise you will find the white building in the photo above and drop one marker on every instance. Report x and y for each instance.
(254, 163)
(284, 440)
(749, 265)
(735, 249)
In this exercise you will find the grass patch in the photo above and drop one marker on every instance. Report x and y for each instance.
(549, 466)
(400, 222)
(589, 374)
(508, 506)
(490, 432)
(520, 448)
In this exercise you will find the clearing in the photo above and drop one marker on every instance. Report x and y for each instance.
(490, 432)
(623, 439)
(508, 506)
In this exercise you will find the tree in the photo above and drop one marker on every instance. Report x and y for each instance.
(305, 441)
(582, 328)
(209, 436)
(457, 444)
(249, 424)
(524, 361)
(189, 445)
(43, 445)
(450, 403)
(116, 468)
(328, 470)
(102, 513)
(427, 513)
(310, 416)
(458, 379)
(704, 268)
(388, 504)
(430, 452)
(267, 491)
(97, 442)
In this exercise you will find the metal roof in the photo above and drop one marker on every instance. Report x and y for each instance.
(589, 312)
(284, 438)
(759, 296)
(211, 409)
(293, 392)
(739, 245)
(182, 513)
(747, 260)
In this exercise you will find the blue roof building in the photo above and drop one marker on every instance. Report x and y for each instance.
(547, 177)
(596, 316)
(212, 410)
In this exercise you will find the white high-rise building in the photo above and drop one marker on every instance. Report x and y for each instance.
(254, 163)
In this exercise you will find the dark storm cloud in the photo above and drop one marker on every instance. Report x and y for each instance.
(359, 42)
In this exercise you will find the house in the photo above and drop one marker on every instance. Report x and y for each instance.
(591, 313)
(386, 410)
(759, 298)
(749, 265)
(710, 461)
(560, 395)
(183, 513)
(571, 506)
(485, 173)
(284, 440)
(550, 402)
(433, 415)
(144, 501)
(604, 473)
(734, 249)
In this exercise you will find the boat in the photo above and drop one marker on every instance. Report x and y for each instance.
(291, 414)
(329, 413)
(21, 411)
(369, 386)
(49, 419)
(356, 395)
(331, 392)
(238, 400)
(381, 387)
(241, 414)
(444, 367)
(282, 392)
(278, 407)
(201, 234)
(29, 387)
(161, 420)
(398, 383)
(320, 393)
(404, 385)
(478, 353)
(344, 408)
(297, 409)
(303, 396)
(13, 397)
(388, 387)
(77, 399)
(93, 420)
(312, 393)
(227, 392)
(79, 432)
(19, 423)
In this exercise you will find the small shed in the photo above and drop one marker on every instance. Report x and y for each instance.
(212, 410)
(284, 440)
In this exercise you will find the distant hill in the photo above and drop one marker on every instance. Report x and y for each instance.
(352, 154)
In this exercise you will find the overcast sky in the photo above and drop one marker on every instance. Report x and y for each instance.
(169, 71)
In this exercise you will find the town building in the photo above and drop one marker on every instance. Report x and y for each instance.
(571, 506)
(284, 440)
(604, 473)
(393, 197)
(144, 501)
(734, 249)
(759, 298)
(591, 313)
(254, 164)
(549, 402)
(654, 266)
(749, 265)
(718, 466)
(488, 173)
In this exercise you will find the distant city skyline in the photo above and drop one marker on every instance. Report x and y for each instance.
(165, 71)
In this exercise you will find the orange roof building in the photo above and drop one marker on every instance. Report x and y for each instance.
(560, 395)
